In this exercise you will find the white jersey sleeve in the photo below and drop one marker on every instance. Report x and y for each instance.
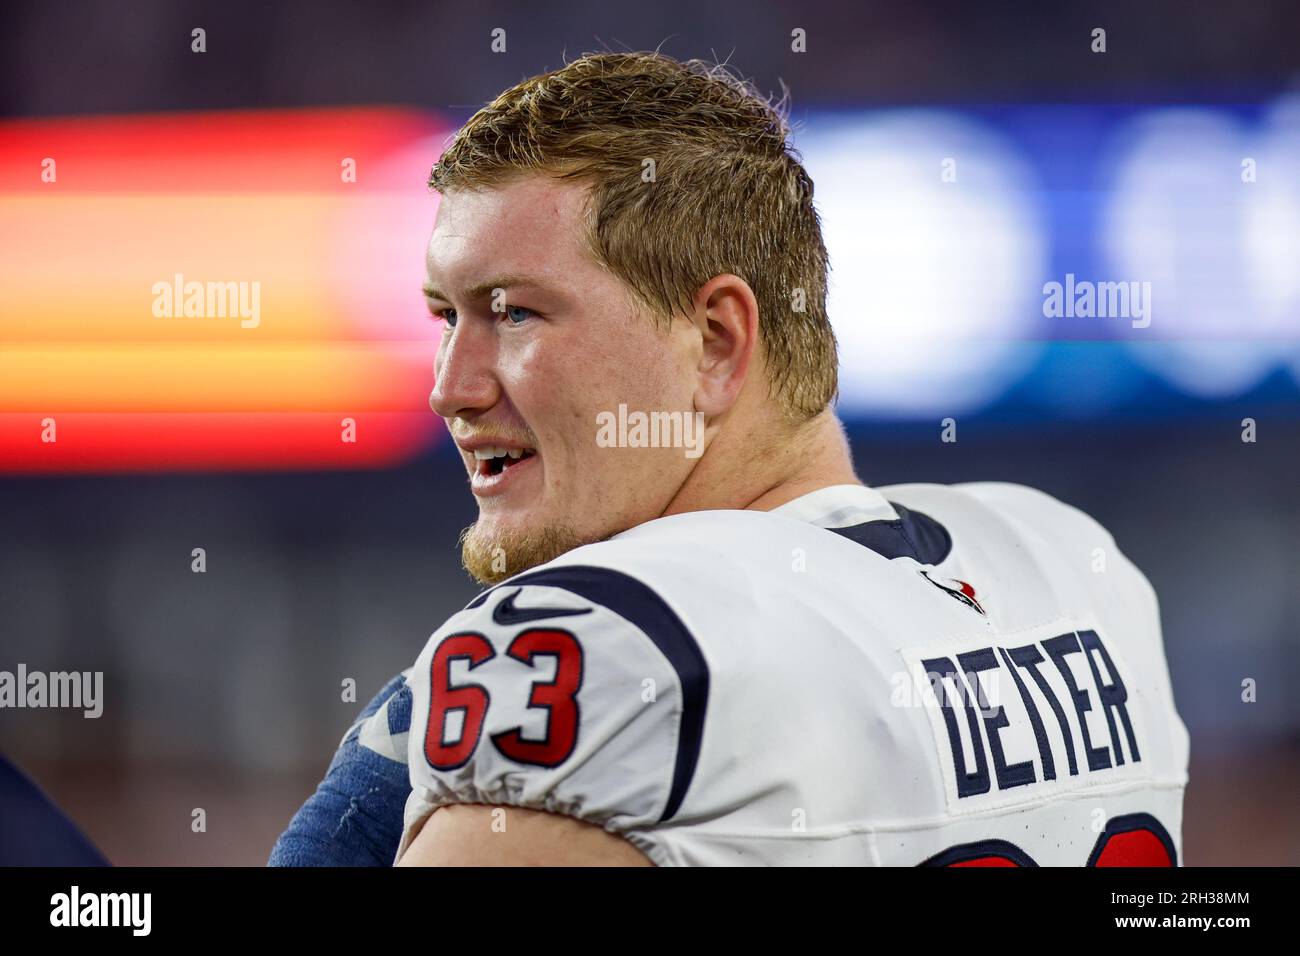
(571, 689)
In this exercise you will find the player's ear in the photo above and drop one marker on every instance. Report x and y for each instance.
(726, 316)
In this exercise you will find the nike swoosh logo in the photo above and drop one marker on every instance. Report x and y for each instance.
(507, 614)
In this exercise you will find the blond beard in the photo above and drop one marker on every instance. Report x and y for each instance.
(492, 559)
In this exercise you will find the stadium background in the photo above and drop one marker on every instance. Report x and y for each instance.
(328, 560)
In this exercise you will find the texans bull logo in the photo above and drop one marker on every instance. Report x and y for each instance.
(962, 591)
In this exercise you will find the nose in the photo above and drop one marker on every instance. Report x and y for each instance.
(464, 372)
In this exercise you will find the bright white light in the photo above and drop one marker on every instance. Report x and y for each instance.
(1272, 222)
(932, 282)
(1220, 252)
(1274, 236)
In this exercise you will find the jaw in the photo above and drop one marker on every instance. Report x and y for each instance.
(513, 505)
(543, 508)
(496, 547)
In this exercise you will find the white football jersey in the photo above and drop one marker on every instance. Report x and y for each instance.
(917, 674)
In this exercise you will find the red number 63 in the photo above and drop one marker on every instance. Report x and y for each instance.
(558, 697)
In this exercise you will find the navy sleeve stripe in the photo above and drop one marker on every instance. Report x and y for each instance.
(914, 535)
(640, 605)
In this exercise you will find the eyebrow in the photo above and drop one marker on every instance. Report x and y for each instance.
(484, 289)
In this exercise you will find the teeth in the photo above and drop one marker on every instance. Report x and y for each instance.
(487, 454)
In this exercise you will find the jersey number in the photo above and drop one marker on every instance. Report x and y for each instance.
(1137, 839)
(558, 697)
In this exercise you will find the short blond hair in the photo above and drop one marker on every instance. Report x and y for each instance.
(728, 195)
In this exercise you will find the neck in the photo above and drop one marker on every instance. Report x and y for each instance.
(739, 473)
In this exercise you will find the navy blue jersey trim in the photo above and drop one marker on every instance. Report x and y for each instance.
(914, 535)
(966, 852)
(640, 605)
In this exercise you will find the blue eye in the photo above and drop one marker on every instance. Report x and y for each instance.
(522, 316)
(447, 315)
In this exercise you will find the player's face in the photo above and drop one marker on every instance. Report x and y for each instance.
(564, 344)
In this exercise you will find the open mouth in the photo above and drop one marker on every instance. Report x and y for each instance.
(494, 461)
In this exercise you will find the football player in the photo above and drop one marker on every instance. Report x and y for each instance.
(704, 641)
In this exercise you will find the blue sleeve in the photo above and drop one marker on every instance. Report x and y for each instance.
(355, 816)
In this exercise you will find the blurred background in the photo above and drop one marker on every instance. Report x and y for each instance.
(964, 157)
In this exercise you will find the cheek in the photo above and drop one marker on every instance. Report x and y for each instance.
(642, 374)
(551, 391)
(559, 388)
